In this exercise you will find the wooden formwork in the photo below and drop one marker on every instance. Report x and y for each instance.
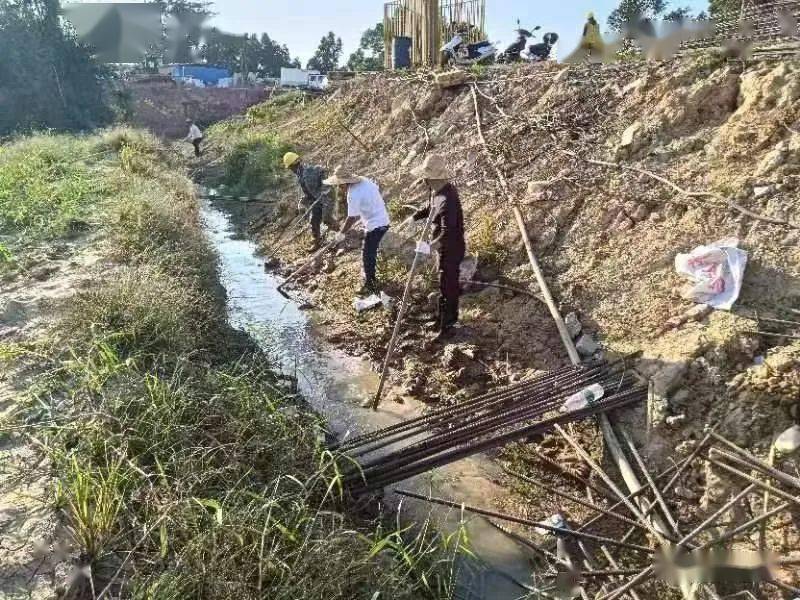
(430, 23)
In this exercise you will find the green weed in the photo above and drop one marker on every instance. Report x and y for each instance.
(483, 241)
(254, 164)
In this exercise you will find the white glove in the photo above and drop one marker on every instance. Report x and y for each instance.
(424, 248)
(340, 237)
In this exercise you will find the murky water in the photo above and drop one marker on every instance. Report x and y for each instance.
(335, 384)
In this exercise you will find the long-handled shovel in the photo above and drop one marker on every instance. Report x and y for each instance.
(306, 266)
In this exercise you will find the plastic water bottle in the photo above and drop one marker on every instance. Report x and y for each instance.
(584, 398)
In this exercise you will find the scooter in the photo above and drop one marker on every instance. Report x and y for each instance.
(458, 53)
(514, 52)
(542, 51)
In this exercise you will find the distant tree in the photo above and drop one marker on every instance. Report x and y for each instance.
(721, 8)
(47, 79)
(632, 11)
(370, 53)
(327, 56)
(247, 53)
(678, 15)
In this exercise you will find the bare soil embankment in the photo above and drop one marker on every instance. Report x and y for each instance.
(617, 169)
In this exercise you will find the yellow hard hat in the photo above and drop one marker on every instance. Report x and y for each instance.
(290, 159)
(590, 15)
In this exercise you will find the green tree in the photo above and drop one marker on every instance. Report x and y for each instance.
(327, 56)
(722, 8)
(370, 54)
(262, 56)
(631, 11)
(47, 79)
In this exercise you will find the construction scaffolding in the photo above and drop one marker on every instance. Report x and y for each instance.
(429, 24)
(767, 26)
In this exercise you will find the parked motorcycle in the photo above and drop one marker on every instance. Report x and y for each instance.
(543, 50)
(514, 52)
(457, 53)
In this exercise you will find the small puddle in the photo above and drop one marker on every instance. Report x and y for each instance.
(335, 384)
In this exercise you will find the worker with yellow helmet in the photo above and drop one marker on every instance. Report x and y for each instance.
(315, 199)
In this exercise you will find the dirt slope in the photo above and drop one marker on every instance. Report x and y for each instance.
(617, 169)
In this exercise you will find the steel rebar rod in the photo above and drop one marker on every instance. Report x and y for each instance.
(473, 418)
(601, 573)
(512, 519)
(615, 565)
(585, 483)
(744, 527)
(449, 413)
(653, 487)
(538, 388)
(467, 433)
(758, 483)
(575, 499)
(610, 483)
(681, 544)
(500, 440)
(759, 464)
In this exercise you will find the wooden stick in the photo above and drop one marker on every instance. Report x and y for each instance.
(401, 314)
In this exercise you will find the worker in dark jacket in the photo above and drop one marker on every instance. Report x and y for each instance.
(447, 218)
(316, 196)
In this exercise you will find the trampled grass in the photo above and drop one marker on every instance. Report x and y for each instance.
(184, 467)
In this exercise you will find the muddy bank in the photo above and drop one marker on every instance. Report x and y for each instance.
(335, 383)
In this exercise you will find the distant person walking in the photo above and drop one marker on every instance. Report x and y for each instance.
(364, 203)
(316, 195)
(592, 47)
(195, 136)
(447, 217)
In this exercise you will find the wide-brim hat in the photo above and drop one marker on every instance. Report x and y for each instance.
(341, 177)
(433, 167)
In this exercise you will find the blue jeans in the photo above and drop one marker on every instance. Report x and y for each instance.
(369, 253)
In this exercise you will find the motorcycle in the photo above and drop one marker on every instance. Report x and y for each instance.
(456, 52)
(514, 52)
(541, 51)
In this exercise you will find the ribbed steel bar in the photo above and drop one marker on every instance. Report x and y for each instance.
(539, 387)
(530, 398)
(464, 434)
(497, 441)
(512, 519)
(764, 486)
(759, 464)
(510, 415)
(575, 499)
(653, 487)
(744, 527)
(454, 410)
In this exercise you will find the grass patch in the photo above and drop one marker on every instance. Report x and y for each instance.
(185, 470)
(45, 184)
(483, 241)
(253, 164)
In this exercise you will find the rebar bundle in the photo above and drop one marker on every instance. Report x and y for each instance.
(490, 421)
(627, 571)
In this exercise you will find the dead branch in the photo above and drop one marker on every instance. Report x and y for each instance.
(721, 201)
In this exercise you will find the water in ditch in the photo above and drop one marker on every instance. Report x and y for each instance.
(335, 384)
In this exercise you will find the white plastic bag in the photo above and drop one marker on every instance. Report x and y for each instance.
(364, 304)
(717, 271)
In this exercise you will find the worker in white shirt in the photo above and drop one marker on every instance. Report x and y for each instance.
(364, 203)
(195, 136)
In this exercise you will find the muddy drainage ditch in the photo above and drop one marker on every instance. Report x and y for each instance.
(335, 384)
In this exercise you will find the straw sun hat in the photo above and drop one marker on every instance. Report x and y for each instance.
(433, 167)
(341, 177)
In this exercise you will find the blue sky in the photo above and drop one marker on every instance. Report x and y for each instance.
(301, 23)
